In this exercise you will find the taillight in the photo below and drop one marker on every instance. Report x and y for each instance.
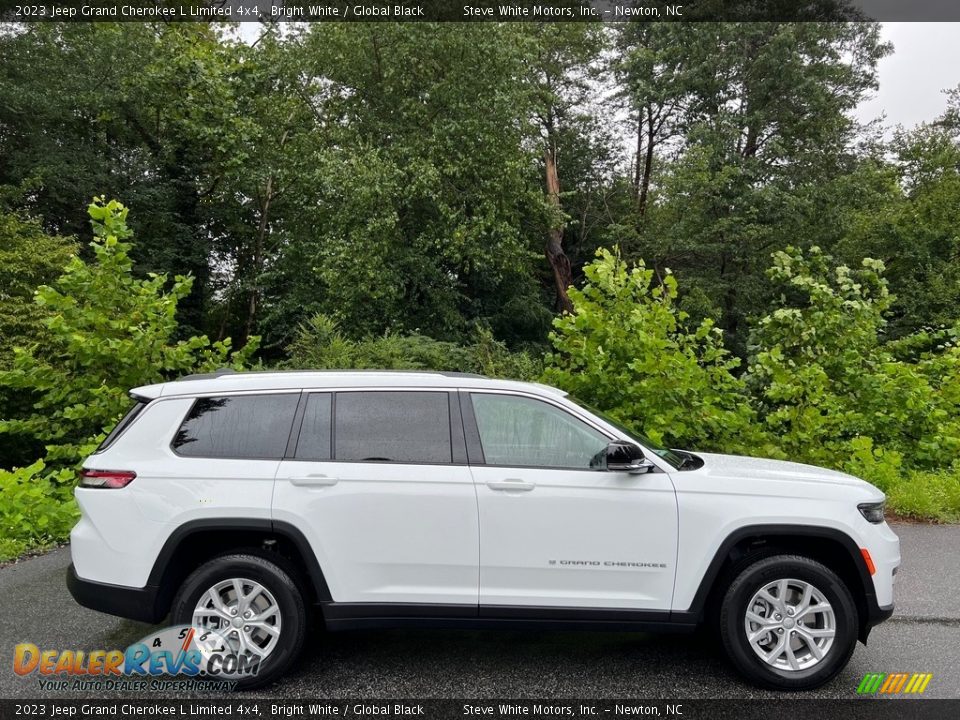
(106, 478)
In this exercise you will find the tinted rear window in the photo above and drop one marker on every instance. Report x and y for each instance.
(243, 426)
(386, 426)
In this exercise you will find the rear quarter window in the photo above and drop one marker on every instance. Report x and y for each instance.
(240, 426)
(124, 423)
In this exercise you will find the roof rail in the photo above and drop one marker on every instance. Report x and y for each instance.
(229, 371)
(209, 376)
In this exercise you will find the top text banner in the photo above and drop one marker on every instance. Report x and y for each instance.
(479, 10)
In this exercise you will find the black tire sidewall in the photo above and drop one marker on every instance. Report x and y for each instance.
(280, 584)
(748, 582)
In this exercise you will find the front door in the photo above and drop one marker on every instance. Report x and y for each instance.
(555, 532)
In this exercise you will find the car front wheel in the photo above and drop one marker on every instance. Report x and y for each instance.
(788, 622)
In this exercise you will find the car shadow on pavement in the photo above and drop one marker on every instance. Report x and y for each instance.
(522, 664)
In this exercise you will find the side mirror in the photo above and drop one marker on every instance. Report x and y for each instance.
(621, 456)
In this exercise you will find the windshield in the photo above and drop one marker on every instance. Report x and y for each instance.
(669, 455)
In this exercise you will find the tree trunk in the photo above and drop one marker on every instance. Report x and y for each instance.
(644, 191)
(258, 259)
(259, 248)
(559, 262)
(637, 172)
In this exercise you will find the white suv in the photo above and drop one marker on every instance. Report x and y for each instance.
(236, 501)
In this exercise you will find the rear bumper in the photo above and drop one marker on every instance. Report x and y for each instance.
(142, 604)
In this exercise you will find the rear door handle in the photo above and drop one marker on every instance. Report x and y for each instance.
(509, 484)
(313, 480)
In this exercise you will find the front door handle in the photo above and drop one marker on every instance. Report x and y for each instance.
(313, 480)
(514, 484)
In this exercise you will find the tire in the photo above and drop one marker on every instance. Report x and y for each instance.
(793, 663)
(279, 581)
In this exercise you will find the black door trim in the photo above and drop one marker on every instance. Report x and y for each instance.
(355, 616)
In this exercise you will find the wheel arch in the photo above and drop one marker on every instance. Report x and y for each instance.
(197, 541)
(829, 546)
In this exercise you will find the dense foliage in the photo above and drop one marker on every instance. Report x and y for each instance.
(29, 257)
(822, 384)
(628, 348)
(319, 344)
(826, 379)
(106, 332)
(421, 178)
(435, 195)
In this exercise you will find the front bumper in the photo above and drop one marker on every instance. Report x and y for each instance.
(876, 614)
(142, 604)
(883, 546)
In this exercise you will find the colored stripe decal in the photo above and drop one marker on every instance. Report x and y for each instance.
(894, 683)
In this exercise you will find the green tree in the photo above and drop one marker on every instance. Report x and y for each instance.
(915, 230)
(832, 390)
(420, 183)
(106, 333)
(146, 110)
(562, 62)
(629, 350)
(653, 72)
(28, 257)
(764, 115)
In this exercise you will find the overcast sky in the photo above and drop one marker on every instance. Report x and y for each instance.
(925, 61)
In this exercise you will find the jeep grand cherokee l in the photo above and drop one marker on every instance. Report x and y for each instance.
(244, 502)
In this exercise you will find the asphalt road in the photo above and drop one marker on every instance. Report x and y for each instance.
(923, 636)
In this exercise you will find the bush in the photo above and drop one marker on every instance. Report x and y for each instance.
(833, 392)
(822, 385)
(36, 508)
(320, 345)
(28, 257)
(630, 351)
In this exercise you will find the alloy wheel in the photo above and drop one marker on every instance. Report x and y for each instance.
(790, 624)
(244, 613)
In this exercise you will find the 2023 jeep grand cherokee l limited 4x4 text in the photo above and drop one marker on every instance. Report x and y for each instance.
(236, 502)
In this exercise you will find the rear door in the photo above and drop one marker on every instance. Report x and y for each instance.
(378, 482)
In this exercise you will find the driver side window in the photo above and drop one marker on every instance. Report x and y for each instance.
(524, 432)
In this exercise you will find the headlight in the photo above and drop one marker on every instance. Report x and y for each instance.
(873, 512)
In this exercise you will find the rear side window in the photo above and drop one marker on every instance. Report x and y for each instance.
(386, 426)
(241, 426)
(126, 422)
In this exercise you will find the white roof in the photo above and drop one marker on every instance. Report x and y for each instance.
(225, 382)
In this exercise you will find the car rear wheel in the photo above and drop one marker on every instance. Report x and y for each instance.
(788, 622)
(254, 609)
